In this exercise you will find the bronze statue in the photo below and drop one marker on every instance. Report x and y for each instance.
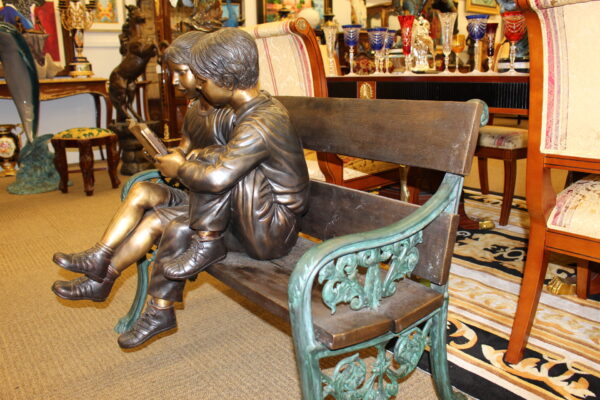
(253, 189)
(149, 207)
(136, 55)
(205, 17)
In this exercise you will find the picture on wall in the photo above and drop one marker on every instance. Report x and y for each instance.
(38, 18)
(109, 15)
(482, 6)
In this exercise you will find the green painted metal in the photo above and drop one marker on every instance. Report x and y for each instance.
(334, 263)
(125, 323)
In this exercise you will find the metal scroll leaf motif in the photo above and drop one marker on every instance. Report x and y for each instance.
(349, 378)
(345, 283)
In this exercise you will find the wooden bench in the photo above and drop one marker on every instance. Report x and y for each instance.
(349, 292)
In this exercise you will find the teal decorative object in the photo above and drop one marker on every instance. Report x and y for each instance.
(36, 172)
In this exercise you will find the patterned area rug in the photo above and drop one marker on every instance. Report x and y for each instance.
(562, 360)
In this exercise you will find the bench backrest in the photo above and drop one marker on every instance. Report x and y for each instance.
(439, 135)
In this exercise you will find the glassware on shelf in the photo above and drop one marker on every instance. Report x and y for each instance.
(351, 33)
(458, 45)
(390, 38)
(330, 30)
(490, 34)
(406, 26)
(476, 25)
(377, 43)
(514, 30)
(447, 21)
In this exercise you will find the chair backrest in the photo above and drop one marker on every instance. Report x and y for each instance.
(290, 59)
(570, 84)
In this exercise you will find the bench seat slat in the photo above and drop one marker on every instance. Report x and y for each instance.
(266, 283)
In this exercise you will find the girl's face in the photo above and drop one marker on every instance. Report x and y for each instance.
(183, 79)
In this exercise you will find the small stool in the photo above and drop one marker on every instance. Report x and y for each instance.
(503, 143)
(84, 139)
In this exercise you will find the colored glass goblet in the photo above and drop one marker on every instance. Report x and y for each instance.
(490, 34)
(476, 25)
(458, 45)
(447, 21)
(514, 30)
(406, 26)
(351, 33)
(377, 43)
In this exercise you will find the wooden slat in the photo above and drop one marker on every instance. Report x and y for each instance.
(337, 210)
(429, 134)
(266, 283)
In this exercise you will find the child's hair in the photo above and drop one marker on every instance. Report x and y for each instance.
(179, 50)
(229, 57)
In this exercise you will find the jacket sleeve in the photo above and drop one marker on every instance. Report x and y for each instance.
(218, 168)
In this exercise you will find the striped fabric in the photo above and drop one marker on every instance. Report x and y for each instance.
(283, 60)
(577, 208)
(571, 121)
(502, 137)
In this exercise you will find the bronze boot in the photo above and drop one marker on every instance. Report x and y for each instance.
(200, 254)
(153, 321)
(84, 288)
(93, 262)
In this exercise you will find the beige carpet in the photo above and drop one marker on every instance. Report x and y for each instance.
(225, 348)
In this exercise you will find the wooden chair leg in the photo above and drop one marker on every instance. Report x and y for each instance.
(112, 156)
(483, 175)
(584, 278)
(86, 163)
(529, 297)
(60, 162)
(510, 177)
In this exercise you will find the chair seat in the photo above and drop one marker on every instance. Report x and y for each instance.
(502, 137)
(577, 208)
(353, 167)
(83, 133)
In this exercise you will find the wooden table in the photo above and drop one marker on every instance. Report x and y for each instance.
(57, 88)
(504, 94)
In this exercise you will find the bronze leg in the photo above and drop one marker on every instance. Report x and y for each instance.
(86, 163)
(112, 155)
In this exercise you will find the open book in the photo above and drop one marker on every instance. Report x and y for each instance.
(151, 143)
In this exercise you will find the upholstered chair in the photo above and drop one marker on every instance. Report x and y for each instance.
(564, 133)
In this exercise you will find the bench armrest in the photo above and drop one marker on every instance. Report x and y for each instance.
(335, 262)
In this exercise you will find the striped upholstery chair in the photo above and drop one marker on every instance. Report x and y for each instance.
(291, 64)
(564, 133)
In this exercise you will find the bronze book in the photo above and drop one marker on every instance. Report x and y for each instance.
(148, 139)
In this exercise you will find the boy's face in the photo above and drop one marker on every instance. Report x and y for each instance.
(215, 94)
(183, 79)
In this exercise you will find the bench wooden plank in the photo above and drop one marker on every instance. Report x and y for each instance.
(338, 210)
(266, 283)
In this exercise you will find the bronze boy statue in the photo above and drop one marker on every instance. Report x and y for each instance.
(142, 217)
(254, 187)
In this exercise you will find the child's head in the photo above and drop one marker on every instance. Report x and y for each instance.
(177, 56)
(179, 50)
(228, 57)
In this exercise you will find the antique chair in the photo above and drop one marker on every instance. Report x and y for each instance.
(291, 65)
(563, 134)
(505, 143)
(84, 139)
